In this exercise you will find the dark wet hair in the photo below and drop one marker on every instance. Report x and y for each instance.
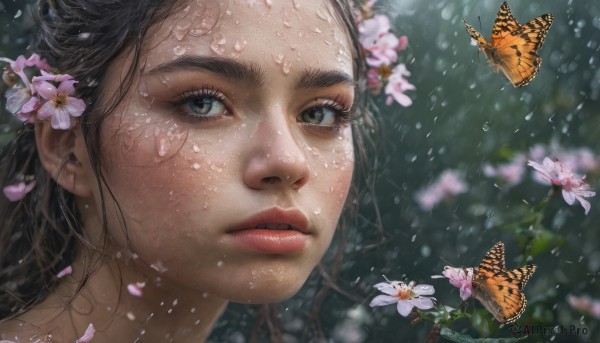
(42, 234)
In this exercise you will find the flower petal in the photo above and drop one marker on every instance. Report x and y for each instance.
(61, 120)
(404, 308)
(75, 106)
(88, 335)
(17, 191)
(387, 288)
(67, 271)
(46, 89)
(423, 289)
(424, 303)
(382, 300)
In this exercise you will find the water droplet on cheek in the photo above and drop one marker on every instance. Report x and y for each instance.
(196, 166)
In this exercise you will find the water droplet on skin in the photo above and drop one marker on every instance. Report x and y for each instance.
(317, 211)
(317, 30)
(218, 43)
(144, 89)
(196, 166)
(269, 3)
(220, 264)
(130, 316)
(286, 21)
(197, 322)
(196, 148)
(287, 65)
(240, 45)
(193, 310)
(181, 29)
(278, 58)
(162, 146)
(179, 50)
(322, 14)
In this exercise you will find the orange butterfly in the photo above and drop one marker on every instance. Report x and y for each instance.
(498, 289)
(513, 47)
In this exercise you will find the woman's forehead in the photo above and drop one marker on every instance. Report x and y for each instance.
(288, 35)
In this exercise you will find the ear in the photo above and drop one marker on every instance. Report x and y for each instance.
(63, 154)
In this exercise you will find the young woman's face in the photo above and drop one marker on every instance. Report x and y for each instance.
(232, 155)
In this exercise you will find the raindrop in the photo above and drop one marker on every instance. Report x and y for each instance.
(84, 35)
(317, 30)
(220, 264)
(414, 238)
(317, 211)
(240, 45)
(278, 58)
(130, 316)
(528, 116)
(196, 166)
(486, 126)
(179, 50)
(196, 148)
(18, 14)
(218, 43)
(287, 65)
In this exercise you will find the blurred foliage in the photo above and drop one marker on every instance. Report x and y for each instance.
(464, 115)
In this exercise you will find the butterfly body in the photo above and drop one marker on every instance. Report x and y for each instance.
(513, 48)
(498, 289)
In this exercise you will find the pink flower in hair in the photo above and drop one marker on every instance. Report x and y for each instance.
(60, 105)
(18, 66)
(573, 188)
(397, 85)
(18, 191)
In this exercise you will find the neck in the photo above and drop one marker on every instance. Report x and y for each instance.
(164, 312)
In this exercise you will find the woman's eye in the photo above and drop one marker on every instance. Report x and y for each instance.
(206, 107)
(323, 116)
(202, 104)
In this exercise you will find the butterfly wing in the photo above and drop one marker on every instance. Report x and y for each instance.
(502, 293)
(505, 23)
(476, 36)
(516, 52)
(493, 262)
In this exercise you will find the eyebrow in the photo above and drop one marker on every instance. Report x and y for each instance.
(317, 78)
(225, 67)
(250, 72)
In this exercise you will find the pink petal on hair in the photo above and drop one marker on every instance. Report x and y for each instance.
(18, 191)
(75, 106)
(65, 272)
(61, 119)
(135, 289)
(88, 335)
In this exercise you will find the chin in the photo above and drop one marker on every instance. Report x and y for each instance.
(267, 291)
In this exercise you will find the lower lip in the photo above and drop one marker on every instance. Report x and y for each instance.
(271, 241)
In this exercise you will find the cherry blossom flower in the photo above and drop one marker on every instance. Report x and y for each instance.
(573, 188)
(461, 278)
(448, 184)
(18, 66)
(512, 172)
(88, 334)
(397, 85)
(406, 296)
(60, 105)
(18, 191)
(67, 271)
(585, 304)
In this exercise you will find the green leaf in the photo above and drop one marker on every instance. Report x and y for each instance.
(463, 338)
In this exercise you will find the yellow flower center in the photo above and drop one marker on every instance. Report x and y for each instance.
(59, 100)
(405, 293)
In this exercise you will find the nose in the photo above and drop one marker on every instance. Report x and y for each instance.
(276, 159)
